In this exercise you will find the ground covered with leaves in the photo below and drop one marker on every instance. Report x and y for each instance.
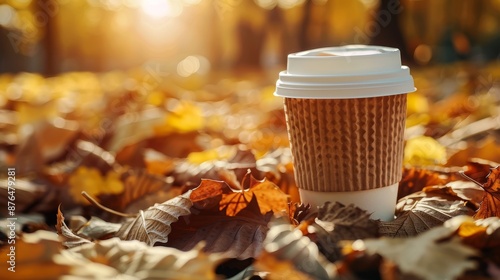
(130, 175)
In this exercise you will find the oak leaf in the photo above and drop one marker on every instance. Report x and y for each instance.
(154, 224)
(432, 255)
(336, 222)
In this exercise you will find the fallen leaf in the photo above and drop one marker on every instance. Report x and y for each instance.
(34, 254)
(268, 196)
(415, 179)
(488, 149)
(420, 212)
(424, 151)
(70, 239)
(184, 117)
(97, 229)
(138, 187)
(286, 248)
(237, 236)
(31, 196)
(336, 222)
(432, 255)
(135, 260)
(154, 224)
(91, 181)
(490, 206)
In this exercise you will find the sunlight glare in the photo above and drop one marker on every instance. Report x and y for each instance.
(161, 8)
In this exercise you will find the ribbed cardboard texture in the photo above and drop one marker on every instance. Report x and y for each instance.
(346, 144)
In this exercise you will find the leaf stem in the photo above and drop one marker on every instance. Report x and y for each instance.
(102, 207)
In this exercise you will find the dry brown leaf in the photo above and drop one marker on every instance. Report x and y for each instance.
(70, 239)
(135, 260)
(47, 142)
(285, 247)
(415, 179)
(239, 236)
(432, 255)
(96, 229)
(467, 191)
(490, 206)
(154, 224)
(488, 149)
(34, 254)
(336, 222)
(140, 191)
(31, 196)
(483, 234)
(192, 174)
(421, 211)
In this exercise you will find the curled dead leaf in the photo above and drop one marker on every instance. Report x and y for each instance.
(286, 248)
(70, 238)
(154, 224)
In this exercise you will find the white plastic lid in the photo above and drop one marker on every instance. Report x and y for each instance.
(353, 71)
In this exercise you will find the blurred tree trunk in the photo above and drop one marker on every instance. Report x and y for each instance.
(48, 9)
(391, 34)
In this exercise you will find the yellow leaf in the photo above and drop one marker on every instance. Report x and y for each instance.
(423, 150)
(417, 104)
(185, 117)
(220, 153)
(91, 181)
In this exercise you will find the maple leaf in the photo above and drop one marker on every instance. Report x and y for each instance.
(154, 224)
(268, 196)
(336, 222)
(425, 255)
(490, 206)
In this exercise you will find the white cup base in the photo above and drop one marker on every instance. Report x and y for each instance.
(381, 202)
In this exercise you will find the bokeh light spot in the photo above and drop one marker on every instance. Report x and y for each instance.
(422, 54)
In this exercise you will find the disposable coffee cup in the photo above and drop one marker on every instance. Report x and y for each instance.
(345, 110)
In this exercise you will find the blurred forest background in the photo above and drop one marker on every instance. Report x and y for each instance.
(200, 36)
